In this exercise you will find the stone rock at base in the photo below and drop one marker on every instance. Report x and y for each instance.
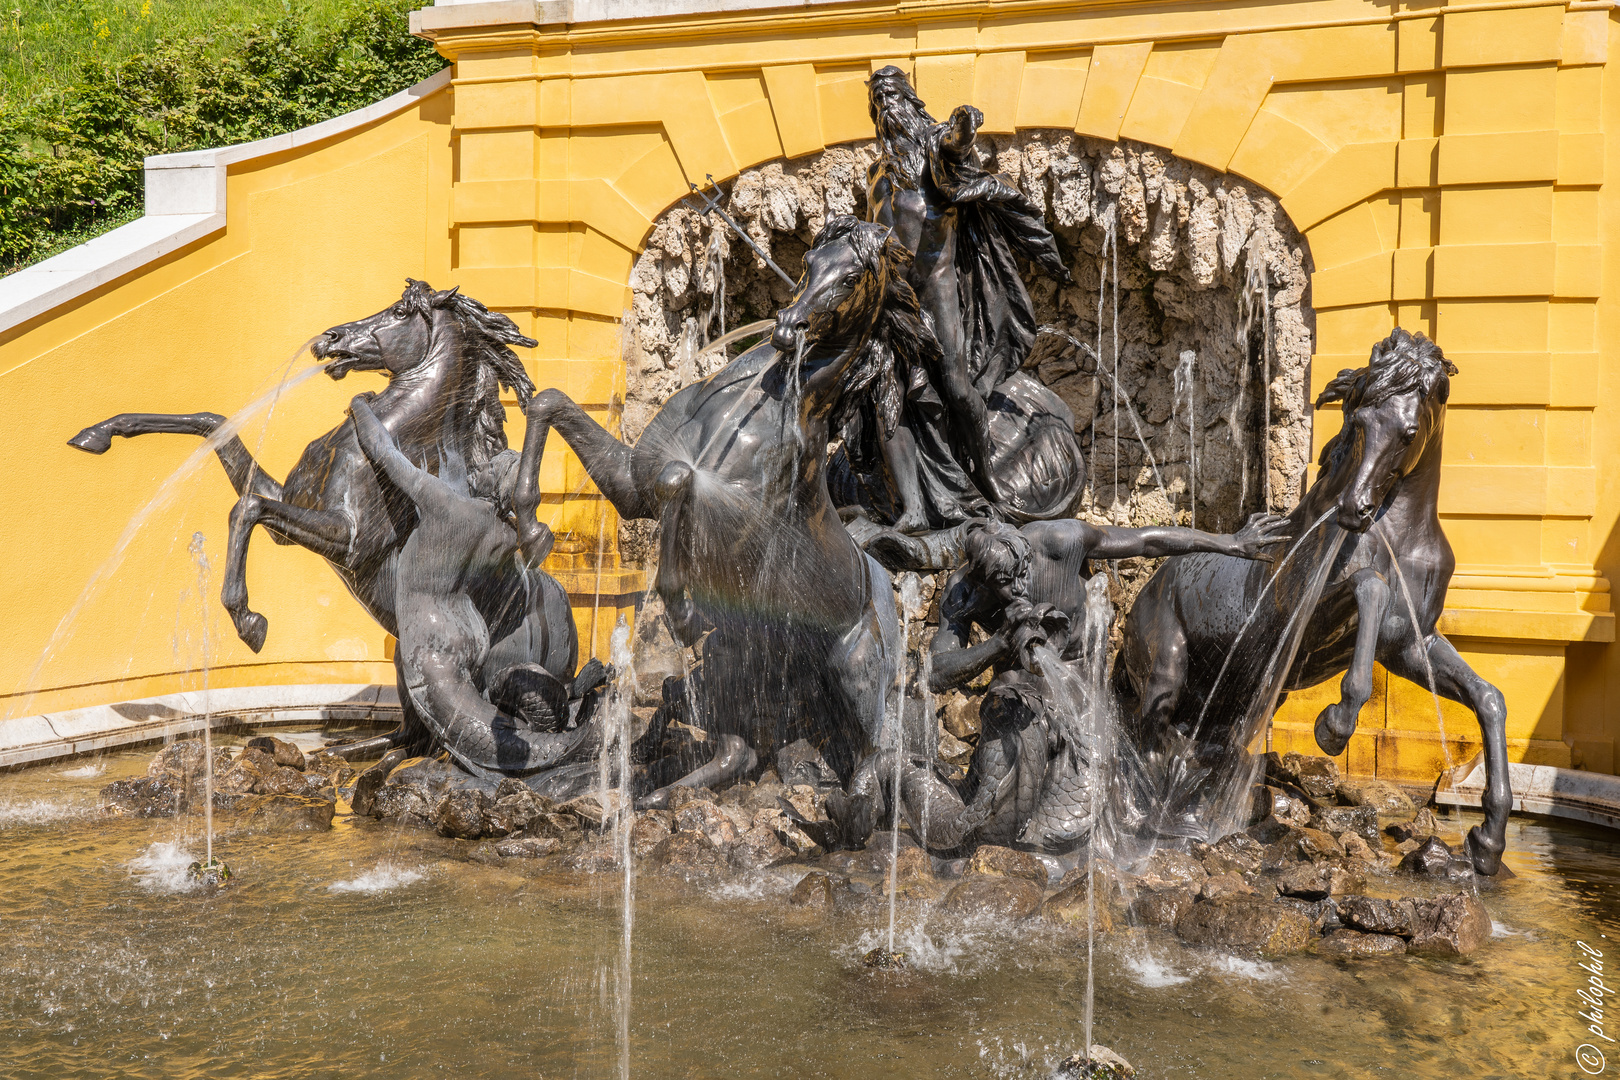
(1100, 1063)
(800, 763)
(1161, 908)
(595, 809)
(1315, 881)
(816, 891)
(1169, 867)
(995, 861)
(757, 849)
(793, 838)
(1359, 850)
(182, 763)
(998, 897)
(710, 820)
(363, 799)
(1451, 925)
(1239, 853)
(240, 779)
(954, 751)
(911, 865)
(1274, 802)
(1247, 923)
(563, 827)
(405, 805)
(282, 813)
(527, 847)
(1381, 795)
(513, 812)
(1318, 777)
(1323, 914)
(680, 795)
(280, 751)
(1359, 821)
(143, 796)
(1431, 858)
(282, 780)
(1228, 884)
(652, 827)
(690, 855)
(1422, 826)
(1070, 907)
(802, 797)
(1356, 945)
(461, 814)
(1376, 915)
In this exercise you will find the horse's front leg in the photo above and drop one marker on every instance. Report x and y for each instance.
(607, 460)
(1337, 722)
(244, 473)
(1456, 681)
(325, 532)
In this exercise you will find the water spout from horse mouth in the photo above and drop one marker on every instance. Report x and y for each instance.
(789, 336)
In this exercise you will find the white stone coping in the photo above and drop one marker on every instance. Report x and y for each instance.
(185, 201)
(33, 740)
(1538, 789)
(471, 13)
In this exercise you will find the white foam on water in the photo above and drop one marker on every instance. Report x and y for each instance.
(380, 878)
(1501, 929)
(1148, 970)
(37, 812)
(1258, 970)
(162, 868)
(925, 953)
(84, 772)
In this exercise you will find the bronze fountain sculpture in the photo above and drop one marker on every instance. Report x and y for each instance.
(886, 424)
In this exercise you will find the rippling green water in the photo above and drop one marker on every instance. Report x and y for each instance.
(371, 951)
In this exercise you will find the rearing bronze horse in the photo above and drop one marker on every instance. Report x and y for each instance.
(802, 634)
(1384, 592)
(446, 357)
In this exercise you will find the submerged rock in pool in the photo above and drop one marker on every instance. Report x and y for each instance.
(1099, 1063)
(1355, 945)
(1247, 923)
(1452, 925)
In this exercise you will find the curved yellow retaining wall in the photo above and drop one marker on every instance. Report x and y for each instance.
(1446, 163)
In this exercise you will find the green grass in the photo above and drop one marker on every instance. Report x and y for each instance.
(43, 43)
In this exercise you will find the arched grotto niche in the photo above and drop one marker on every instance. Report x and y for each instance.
(1208, 326)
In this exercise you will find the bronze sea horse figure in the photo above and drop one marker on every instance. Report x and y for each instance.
(446, 357)
(802, 633)
(1203, 614)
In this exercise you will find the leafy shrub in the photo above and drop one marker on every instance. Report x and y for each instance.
(71, 158)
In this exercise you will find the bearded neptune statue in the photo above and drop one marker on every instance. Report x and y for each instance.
(964, 433)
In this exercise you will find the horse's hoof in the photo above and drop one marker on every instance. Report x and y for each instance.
(1328, 738)
(1484, 852)
(92, 440)
(251, 628)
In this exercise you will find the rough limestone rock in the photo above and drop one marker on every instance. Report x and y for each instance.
(1162, 908)
(562, 827)
(1422, 826)
(461, 814)
(1069, 907)
(1170, 867)
(680, 796)
(280, 751)
(710, 820)
(1318, 777)
(1322, 914)
(281, 813)
(993, 860)
(1228, 884)
(527, 847)
(1245, 923)
(689, 855)
(142, 796)
(1316, 881)
(514, 812)
(595, 809)
(1211, 279)
(816, 891)
(1237, 853)
(757, 849)
(994, 897)
(651, 828)
(1361, 821)
(1360, 850)
(787, 831)
(1284, 806)
(1431, 858)
(1377, 915)
(1381, 795)
(283, 780)
(1355, 945)
(1451, 925)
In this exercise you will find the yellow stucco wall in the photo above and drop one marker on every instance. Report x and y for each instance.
(1447, 165)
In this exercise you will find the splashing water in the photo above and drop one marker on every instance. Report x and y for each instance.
(1186, 382)
(621, 722)
(381, 878)
(164, 867)
(200, 557)
(910, 612)
(264, 404)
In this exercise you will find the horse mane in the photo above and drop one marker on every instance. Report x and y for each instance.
(901, 340)
(1399, 364)
(488, 335)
